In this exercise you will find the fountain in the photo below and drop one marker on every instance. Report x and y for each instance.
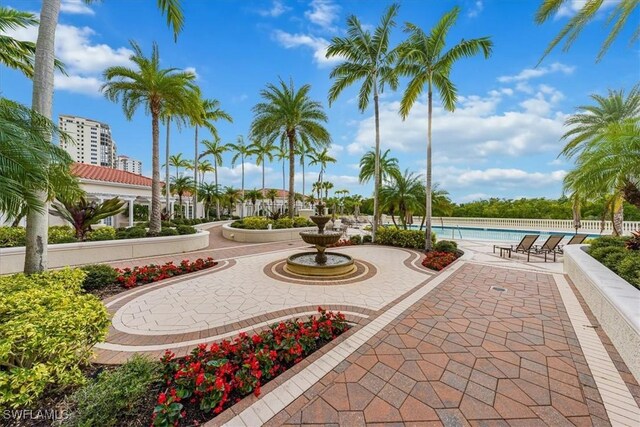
(320, 263)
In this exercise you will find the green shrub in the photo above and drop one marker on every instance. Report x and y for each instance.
(613, 258)
(186, 229)
(607, 241)
(135, 233)
(302, 222)
(178, 221)
(168, 232)
(356, 239)
(366, 238)
(167, 224)
(403, 238)
(629, 268)
(238, 224)
(47, 329)
(284, 223)
(61, 234)
(12, 236)
(102, 233)
(600, 253)
(446, 246)
(97, 276)
(256, 223)
(115, 395)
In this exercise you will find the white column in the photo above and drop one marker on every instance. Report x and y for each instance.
(130, 213)
(100, 200)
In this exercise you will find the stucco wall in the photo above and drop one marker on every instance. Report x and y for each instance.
(263, 236)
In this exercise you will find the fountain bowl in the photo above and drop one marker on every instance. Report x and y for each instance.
(305, 264)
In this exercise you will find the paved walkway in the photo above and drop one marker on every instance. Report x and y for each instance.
(489, 341)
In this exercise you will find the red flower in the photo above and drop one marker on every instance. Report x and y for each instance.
(162, 398)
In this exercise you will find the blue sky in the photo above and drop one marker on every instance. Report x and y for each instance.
(502, 140)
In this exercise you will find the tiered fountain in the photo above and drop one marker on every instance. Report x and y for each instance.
(320, 263)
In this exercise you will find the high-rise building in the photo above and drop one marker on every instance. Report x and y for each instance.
(92, 143)
(128, 164)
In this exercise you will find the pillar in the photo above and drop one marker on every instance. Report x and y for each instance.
(130, 213)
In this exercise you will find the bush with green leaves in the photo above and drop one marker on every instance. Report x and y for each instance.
(402, 238)
(629, 268)
(132, 233)
(102, 233)
(48, 327)
(98, 276)
(262, 223)
(285, 222)
(356, 239)
(61, 234)
(366, 238)
(299, 222)
(186, 229)
(166, 231)
(607, 242)
(12, 236)
(256, 223)
(446, 246)
(614, 253)
(115, 395)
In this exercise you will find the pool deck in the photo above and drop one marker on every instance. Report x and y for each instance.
(427, 348)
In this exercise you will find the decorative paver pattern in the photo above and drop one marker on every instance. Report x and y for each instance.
(465, 355)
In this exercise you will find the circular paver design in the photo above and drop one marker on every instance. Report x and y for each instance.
(276, 270)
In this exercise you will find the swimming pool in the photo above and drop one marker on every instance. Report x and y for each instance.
(497, 234)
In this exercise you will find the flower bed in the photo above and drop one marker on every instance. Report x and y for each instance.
(438, 260)
(620, 255)
(214, 377)
(132, 277)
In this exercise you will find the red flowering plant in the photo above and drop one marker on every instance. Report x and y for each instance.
(212, 378)
(131, 277)
(438, 260)
(341, 242)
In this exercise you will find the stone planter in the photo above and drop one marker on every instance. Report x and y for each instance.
(263, 236)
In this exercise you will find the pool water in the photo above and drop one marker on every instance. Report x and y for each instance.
(503, 235)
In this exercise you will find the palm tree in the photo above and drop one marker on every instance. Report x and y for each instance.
(367, 58)
(214, 149)
(180, 185)
(254, 195)
(241, 151)
(231, 197)
(271, 194)
(156, 90)
(326, 186)
(38, 222)
(263, 152)
(422, 59)
(302, 148)
(619, 16)
(402, 195)
(208, 193)
(281, 154)
(389, 168)
(608, 165)
(321, 158)
(342, 194)
(204, 167)
(209, 111)
(177, 161)
(440, 202)
(289, 115)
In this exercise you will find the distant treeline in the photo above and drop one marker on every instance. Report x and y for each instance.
(535, 208)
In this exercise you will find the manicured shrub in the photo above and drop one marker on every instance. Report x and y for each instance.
(446, 246)
(12, 236)
(214, 377)
(613, 258)
(356, 239)
(238, 224)
(438, 260)
(135, 233)
(178, 221)
(256, 223)
(168, 232)
(47, 329)
(102, 233)
(629, 268)
(302, 222)
(366, 238)
(98, 276)
(607, 241)
(131, 277)
(61, 234)
(283, 223)
(114, 395)
(186, 229)
(600, 253)
(403, 238)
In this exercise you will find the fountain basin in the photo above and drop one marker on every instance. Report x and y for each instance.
(305, 264)
(325, 239)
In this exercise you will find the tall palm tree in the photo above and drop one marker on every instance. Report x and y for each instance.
(263, 150)
(302, 150)
(204, 167)
(389, 168)
(401, 194)
(181, 185)
(152, 88)
(608, 165)
(289, 115)
(231, 197)
(441, 204)
(326, 186)
(253, 196)
(321, 158)
(214, 149)
(209, 111)
(208, 194)
(241, 150)
(422, 58)
(271, 194)
(177, 161)
(367, 58)
(42, 99)
(618, 16)
(281, 154)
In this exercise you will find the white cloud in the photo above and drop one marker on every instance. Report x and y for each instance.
(473, 197)
(568, 9)
(193, 71)
(335, 150)
(76, 7)
(78, 84)
(323, 13)
(317, 44)
(476, 9)
(277, 9)
(499, 178)
(531, 73)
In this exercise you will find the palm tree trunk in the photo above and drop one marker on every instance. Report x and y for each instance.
(195, 178)
(427, 240)
(167, 185)
(243, 201)
(376, 185)
(37, 239)
(283, 187)
(618, 217)
(215, 165)
(262, 198)
(292, 165)
(154, 223)
(303, 181)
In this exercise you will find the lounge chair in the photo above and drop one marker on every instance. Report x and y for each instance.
(576, 239)
(525, 246)
(550, 246)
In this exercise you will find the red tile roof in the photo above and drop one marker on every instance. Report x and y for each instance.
(101, 173)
